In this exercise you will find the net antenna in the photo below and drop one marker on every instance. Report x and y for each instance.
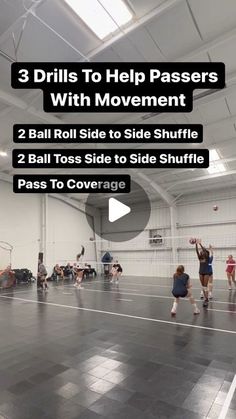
(5, 254)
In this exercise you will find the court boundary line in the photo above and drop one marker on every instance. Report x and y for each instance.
(123, 299)
(134, 294)
(169, 286)
(111, 313)
(228, 399)
(101, 280)
(14, 292)
(151, 296)
(222, 311)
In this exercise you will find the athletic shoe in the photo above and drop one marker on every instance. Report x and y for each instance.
(205, 304)
(196, 311)
(173, 312)
(230, 289)
(202, 295)
(210, 296)
(75, 285)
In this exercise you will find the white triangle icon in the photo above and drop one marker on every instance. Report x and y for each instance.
(117, 210)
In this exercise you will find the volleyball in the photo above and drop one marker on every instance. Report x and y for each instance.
(215, 208)
(192, 241)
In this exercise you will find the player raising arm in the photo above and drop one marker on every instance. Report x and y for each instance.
(203, 257)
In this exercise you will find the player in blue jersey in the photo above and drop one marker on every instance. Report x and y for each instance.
(210, 283)
(182, 289)
(210, 273)
(203, 256)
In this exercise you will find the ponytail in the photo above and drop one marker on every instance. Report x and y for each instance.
(179, 270)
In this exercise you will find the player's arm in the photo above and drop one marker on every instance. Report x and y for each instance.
(189, 285)
(211, 250)
(197, 249)
(202, 247)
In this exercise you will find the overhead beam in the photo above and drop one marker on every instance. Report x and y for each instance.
(222, 144)
(231, 118)
(7, 57)
(13, 100)
(166, 196)
(189, 180)
(215, 95)
(31, 95)
(66, 199)
(200, 178)
(167, 172)
(6, 178)
(188, 190)
(204, 48)
(231, 83)
(4, 36)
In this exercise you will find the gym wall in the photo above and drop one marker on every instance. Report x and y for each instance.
(20, 219)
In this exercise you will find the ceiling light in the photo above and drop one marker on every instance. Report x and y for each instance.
(3, 153)
(103, 17)
(215, 167)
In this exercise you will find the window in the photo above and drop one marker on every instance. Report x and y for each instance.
(103, 17)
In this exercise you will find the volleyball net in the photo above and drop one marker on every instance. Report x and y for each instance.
(142, 256)
(156, 256)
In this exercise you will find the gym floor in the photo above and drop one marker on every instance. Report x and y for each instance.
(110, 351)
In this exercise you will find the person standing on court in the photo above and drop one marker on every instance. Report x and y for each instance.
(230, 271)
(42, 275)
(116, 272)
(203, 257)
(79, 277)
(210, 273)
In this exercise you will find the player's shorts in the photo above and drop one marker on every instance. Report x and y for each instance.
(180, 294)
(201, 272)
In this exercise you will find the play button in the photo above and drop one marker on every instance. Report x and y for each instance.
(117, 210)
(121, 216)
